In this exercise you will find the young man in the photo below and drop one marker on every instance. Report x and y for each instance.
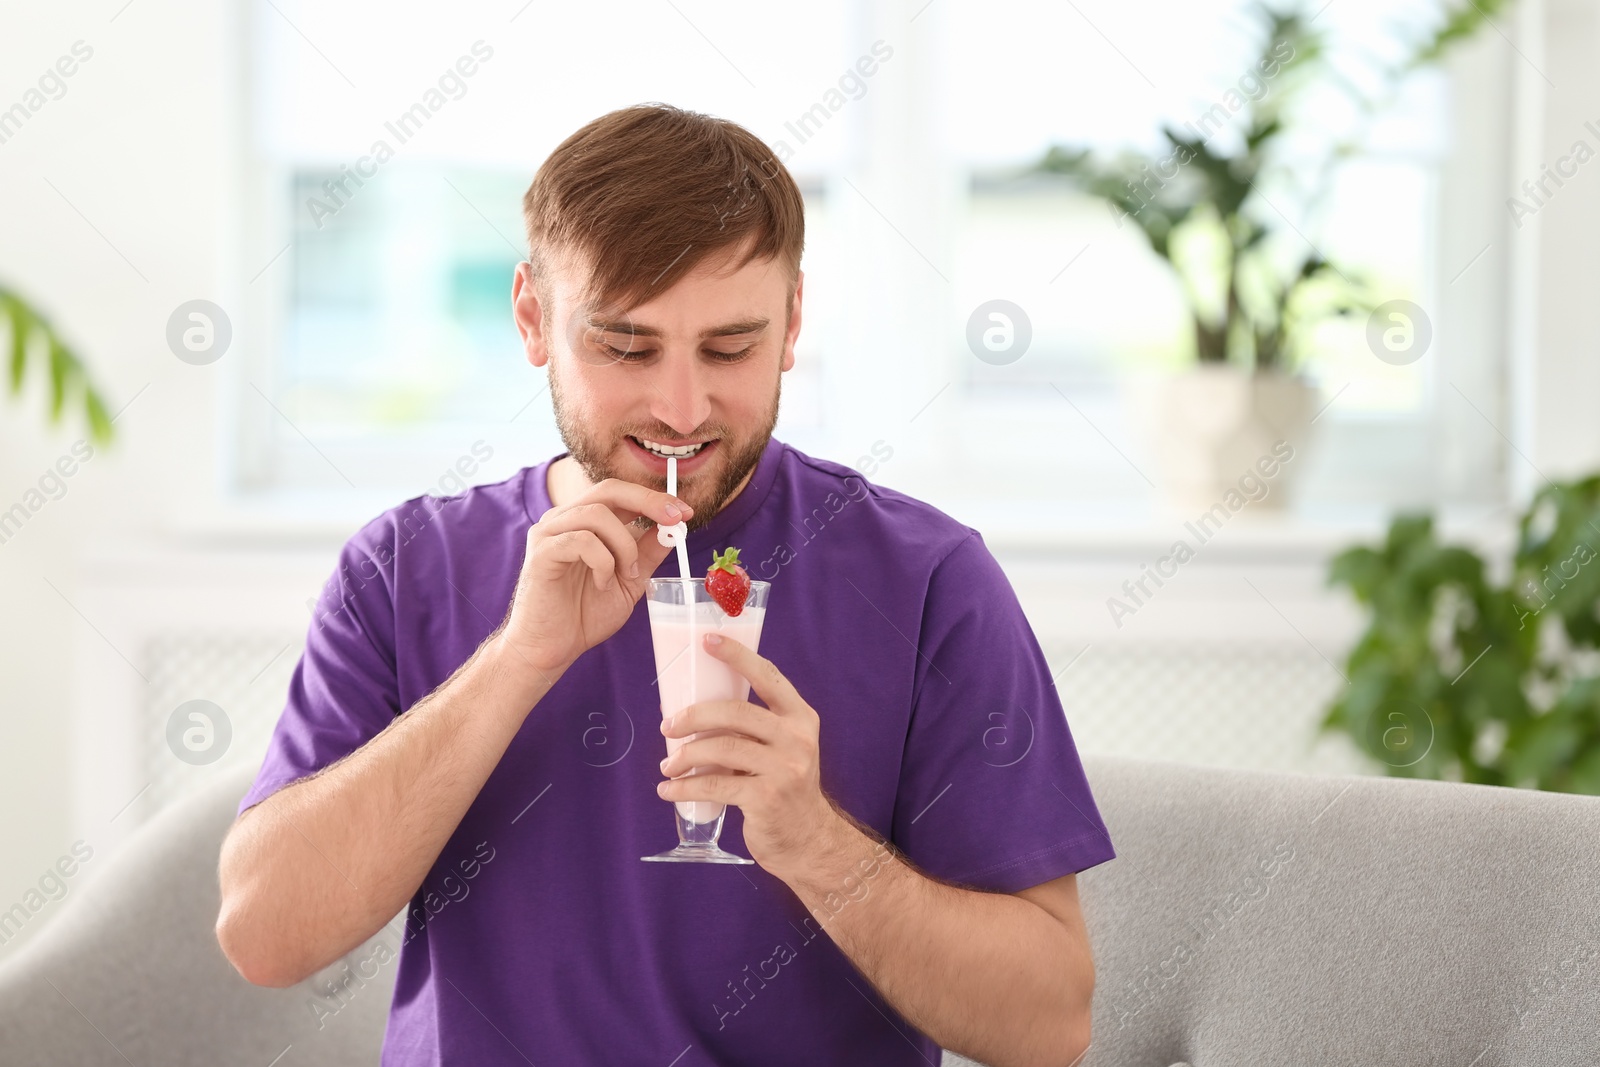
(471, 733)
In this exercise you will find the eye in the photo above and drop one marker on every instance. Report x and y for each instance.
(633, 355)
(637, 355)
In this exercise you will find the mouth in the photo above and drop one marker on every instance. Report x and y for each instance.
(668, 450)
(654, 454)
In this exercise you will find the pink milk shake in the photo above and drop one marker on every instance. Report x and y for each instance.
(687, 673)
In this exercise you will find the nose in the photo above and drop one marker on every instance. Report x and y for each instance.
(679, 395)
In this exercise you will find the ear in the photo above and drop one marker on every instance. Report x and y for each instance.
(794, 323)
(529, 315)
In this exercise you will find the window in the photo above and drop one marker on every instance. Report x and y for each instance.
(388, 346)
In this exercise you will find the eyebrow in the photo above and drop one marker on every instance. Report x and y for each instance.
(729, 329)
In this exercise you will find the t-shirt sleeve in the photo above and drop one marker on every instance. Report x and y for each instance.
(992, 793)
(345, 688)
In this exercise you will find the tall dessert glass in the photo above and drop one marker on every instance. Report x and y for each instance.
(682, 612)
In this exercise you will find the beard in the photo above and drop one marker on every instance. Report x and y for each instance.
(706, 491)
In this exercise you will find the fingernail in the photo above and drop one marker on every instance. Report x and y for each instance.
(633, 569)
(713, 639)
(666, 724)
(672, 510)
(664, 763)
(685, 508)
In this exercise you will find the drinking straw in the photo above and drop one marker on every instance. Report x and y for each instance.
(679, 530)
(680, 541)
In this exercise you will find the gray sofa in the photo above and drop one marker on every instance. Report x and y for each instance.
(1249, 918)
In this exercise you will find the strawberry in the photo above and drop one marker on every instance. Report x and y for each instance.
(727, 582)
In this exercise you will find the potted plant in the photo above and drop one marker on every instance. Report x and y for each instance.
(1460, 677)
(1255, 287)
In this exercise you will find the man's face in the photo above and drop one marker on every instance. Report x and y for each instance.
(696, 369)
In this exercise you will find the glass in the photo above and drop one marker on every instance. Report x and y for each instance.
(681, 614)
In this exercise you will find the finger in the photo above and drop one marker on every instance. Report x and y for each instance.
(630, 500)
(728, 751)
(581, 546)
(651, 553)
(599, 520)
(716, 788)
(740, 715)
(764, 677)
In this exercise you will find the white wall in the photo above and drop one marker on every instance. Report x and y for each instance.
(119, 205)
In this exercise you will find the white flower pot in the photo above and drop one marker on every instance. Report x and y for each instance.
(1219, 434)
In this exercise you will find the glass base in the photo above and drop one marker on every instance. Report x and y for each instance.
(697, 841)
(698, 854)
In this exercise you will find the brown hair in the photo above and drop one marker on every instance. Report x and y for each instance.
(646, 192)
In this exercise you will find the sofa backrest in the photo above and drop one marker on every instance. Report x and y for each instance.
(1255, 917)
(129, 970)
(1249, 917)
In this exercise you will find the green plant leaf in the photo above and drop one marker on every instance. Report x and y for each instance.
(23, 326)
(100, 429)
(1361, 569)
(1462, 23)
(28, 333)
(1585, 775)
(62, 366)
(1543, 744)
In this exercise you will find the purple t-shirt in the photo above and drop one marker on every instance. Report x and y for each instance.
(539, 935)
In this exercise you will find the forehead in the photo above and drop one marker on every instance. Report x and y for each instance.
(713, 290)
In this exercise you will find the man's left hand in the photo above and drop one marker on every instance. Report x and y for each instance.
(773, 752)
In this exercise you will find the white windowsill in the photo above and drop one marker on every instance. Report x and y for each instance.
(1078, 529)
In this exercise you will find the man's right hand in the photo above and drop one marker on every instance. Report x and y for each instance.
(584, 570)
(386, 811)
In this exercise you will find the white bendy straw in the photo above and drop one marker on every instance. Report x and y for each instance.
(677, 536)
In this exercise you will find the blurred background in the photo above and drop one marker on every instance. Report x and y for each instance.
(1305, 290)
